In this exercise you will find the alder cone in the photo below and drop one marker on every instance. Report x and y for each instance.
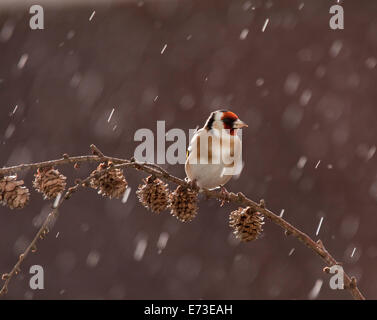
(153, 194)
(246, 224)
(184, 203)
(12, 192)
(50, 182)
(111, 184)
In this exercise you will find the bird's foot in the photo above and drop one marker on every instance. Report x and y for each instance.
(192, 183)
(225, 195)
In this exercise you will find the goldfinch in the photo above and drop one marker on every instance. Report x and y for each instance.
(214, 153)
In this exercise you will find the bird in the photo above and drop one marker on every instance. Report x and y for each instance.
(214, 153)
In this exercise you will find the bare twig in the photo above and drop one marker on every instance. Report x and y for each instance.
(57, 162)
(32, 246)
(96, 151)
(239, 198)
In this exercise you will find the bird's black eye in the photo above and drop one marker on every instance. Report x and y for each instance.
(228, 121)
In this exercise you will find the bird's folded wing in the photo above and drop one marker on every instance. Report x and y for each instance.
(194, 136)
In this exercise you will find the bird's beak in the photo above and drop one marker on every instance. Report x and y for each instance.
(239, 124)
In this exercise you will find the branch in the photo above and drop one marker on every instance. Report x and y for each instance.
(32, 247)
(57, 162)
(44, 229)
(157, 171)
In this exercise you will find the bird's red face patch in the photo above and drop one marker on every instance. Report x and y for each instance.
(229, 115)
(228, 118)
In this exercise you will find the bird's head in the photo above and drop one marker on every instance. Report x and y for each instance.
(224, 119)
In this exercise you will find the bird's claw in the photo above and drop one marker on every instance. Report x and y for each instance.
(225, 195)
(193, 185)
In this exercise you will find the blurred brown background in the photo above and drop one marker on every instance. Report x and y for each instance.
(307, 92)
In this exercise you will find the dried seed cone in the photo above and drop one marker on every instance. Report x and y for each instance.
(50, 182)
(153, 194)
(111, 184)
(184, 203)
(246, 223)
(12, 193)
